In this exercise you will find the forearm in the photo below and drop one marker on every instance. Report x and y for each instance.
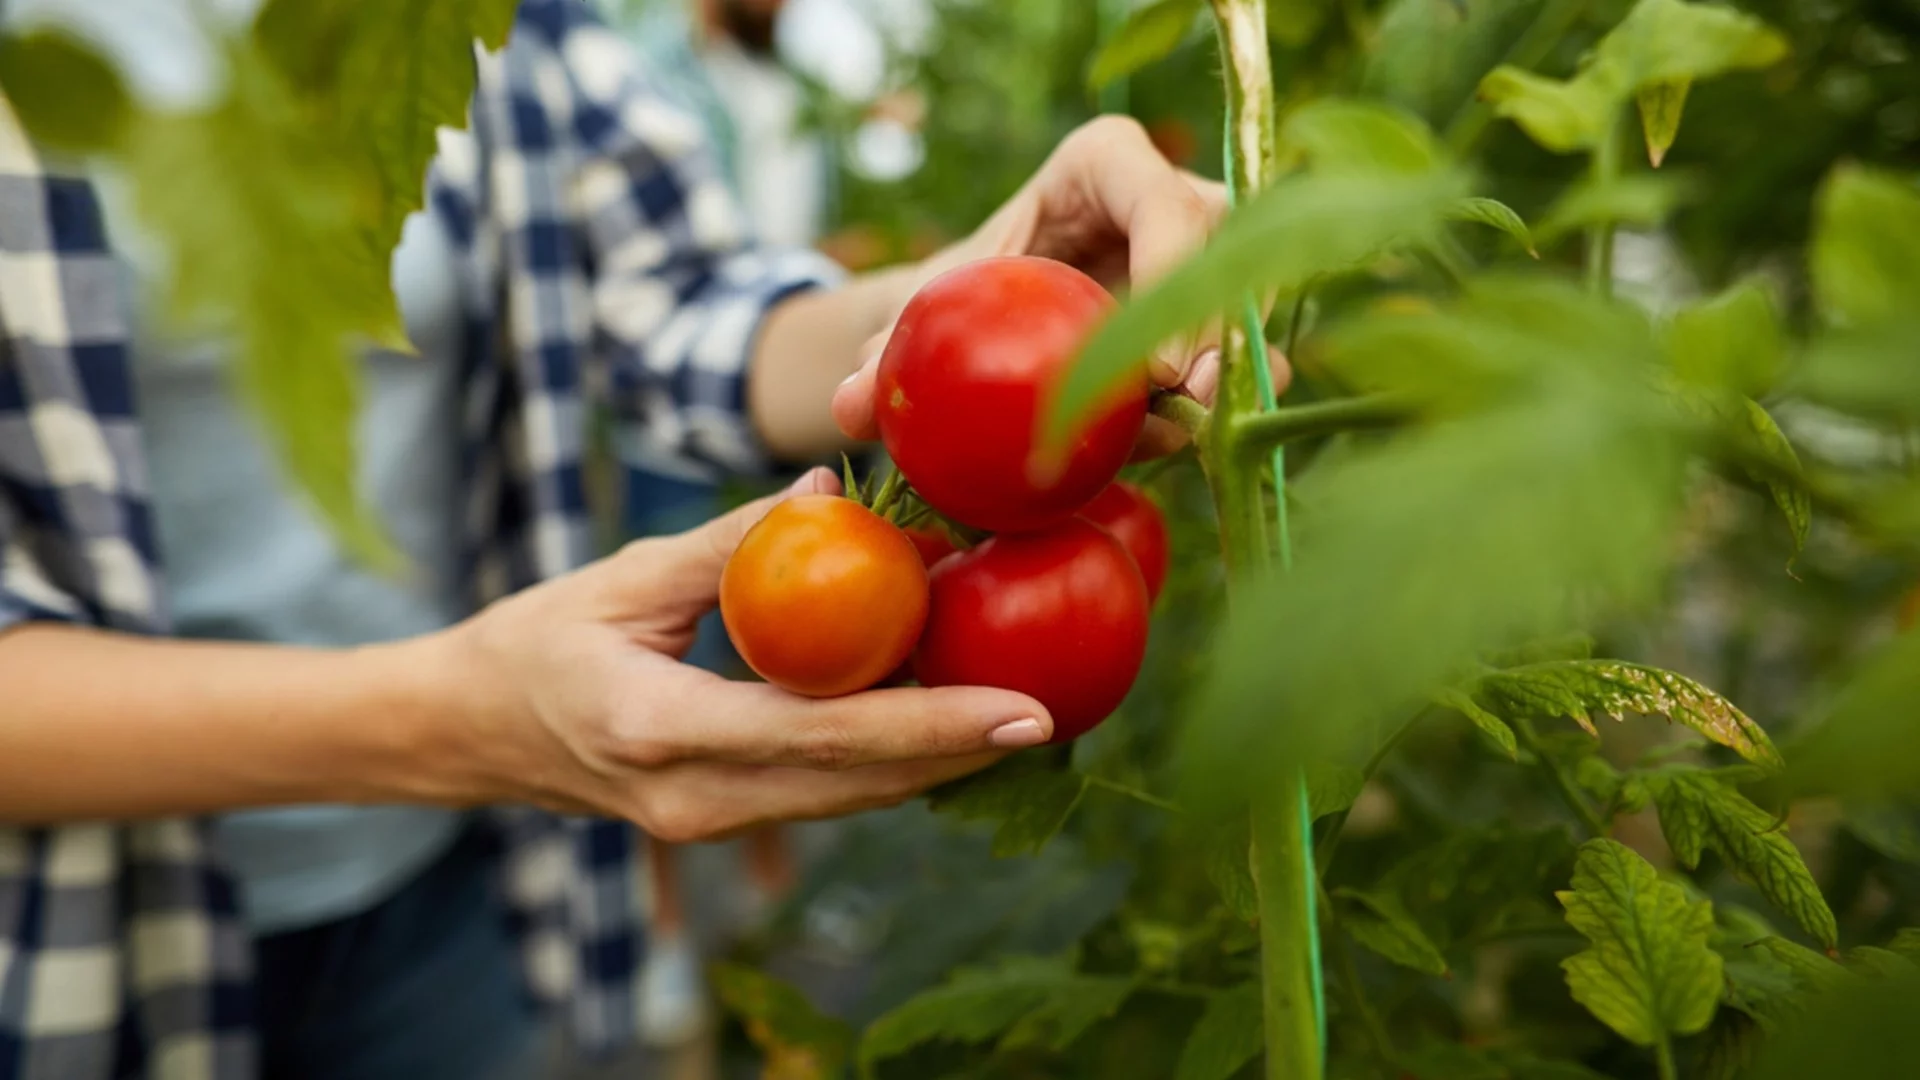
(807, 345)
(99, 725)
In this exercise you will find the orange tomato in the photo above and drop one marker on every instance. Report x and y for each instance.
(824, 597)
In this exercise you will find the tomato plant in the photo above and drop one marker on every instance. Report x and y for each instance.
(1125, 511)
(824, 597)
(1059, 614)
(975, 357)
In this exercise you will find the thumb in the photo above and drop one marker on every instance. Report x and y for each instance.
(669, 575)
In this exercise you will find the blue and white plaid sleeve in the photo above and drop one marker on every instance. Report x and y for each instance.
(679, 288)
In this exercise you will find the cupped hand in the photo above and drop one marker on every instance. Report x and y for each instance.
(1108, 202)
(579, 702)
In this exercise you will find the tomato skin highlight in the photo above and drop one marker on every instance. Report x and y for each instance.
(824, 597)
(1134, 520)
(965, 379)
(1059, 615)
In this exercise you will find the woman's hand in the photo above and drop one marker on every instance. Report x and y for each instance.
(1108, 202)
(575, 698)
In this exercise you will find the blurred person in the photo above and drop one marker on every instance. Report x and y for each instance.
(269, 813)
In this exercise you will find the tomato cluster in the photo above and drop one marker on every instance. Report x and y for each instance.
(825, 597)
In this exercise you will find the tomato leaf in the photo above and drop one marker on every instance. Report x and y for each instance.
(1698, 811)
(1649, 974)
(1331, 788)
(1810, 968)
(1149, 34)
(1890, 827)
(1660, 105)
(1377, 921)
(1664, 41)
(1862, 1028)
(1867, 746)
(62, 92)
(1227, 1036)
(1640, 199)
(1866, 249)
(1496, 214)
(1791, 498)
(1730, 342)
(1346, 135)
(1294, 231)
(1227, 848)
(798, 1041)
(1564, 116)
(1490, 725)
(1028, 796)
(1026, 1001)
(1577, 688)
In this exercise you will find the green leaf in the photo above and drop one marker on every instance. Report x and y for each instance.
(1697, 811)
(1345, 135)
(1379, 922)
(1492, 726)
(1577, 688)
(1792, 499)
(1149, 34)
(1861, 1030)
(1867, 371)
(1867, 746)
(65, 96)
(1660, 106)
(1331, 788)
(1809, 968)
(1866, 248)
(1730, 1046)
(1025, 1001)
(253, 205)
(1890, 827)
(1494, 213)
(1028, 796)
(1227, 849)
(1296, 230)
(1564, 116)
(1730, 342)
(1663, 41)
(1226, 1038)
(1649, 974)
(1907, 943)
(1576, 645)
(1474, 882)
(1877, 963)
(798, 1041)
(1639, 199)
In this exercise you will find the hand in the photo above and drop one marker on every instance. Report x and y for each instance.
(1108, 202)
(577, 701)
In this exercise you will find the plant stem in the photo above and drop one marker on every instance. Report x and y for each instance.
(1603, 169)
(1190, 415)
(1253, 434)
(1292, 1025)
(1663, 1056)
(1135, 793)
(1570, 794)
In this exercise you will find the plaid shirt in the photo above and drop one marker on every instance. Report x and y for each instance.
(603, 261)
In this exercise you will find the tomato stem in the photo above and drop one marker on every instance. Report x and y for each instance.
(1255, 434)
(1605, 169)
(1562, 783)
(1191, 416)
(889, 492)
(1135, 794)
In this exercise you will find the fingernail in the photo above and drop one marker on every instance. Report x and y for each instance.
(848, 381)
(1205, 378)
(808, 483)
(1169, 366)
(1017, 733)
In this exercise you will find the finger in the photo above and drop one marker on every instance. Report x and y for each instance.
(853, 399)
(756, 724)
(671, 573)
(718, 802)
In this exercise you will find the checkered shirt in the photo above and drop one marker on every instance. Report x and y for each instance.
(603, 261)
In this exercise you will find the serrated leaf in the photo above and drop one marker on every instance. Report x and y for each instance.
(1697, 811)
(1494, 213)
(1577, 688)
(1037, 1002)
(1640, 200)
(1649, 974)
(63, 93)
(1809, 968)
(1227, 851)
(1149, 34)
(1865, 257)
(1028, 796)
(1660, 106)
(1492, 726)
(1346, 135)
(1227, 1036)
(1383, 926)
(1294, 231)
(1876, 963)
(1331, 788)
(1729, 1049)
(1730, 342)
(798, 1041)
(1473, 881)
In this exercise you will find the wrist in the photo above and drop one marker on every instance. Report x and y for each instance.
(419, 732)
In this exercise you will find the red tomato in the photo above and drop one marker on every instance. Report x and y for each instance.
(824, 597)
(1060, 615)
(963, 382)
(1127, 513)
(933, 544)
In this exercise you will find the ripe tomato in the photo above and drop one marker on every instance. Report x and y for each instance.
(1060, 615)
(963, 382)
(1127, 513)
(933, 544)
(824, 597)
